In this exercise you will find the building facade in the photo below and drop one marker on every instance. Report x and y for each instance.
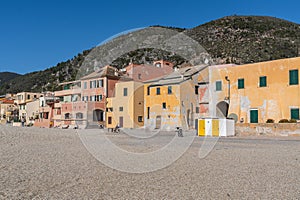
(172, 101)
(83, 102)
(22, 99)
(253, 93)
(126, 108)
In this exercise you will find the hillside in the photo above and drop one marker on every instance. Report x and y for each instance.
(7, 76)
(247, 39)
(233, 39)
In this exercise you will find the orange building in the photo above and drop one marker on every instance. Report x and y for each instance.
(252, 93)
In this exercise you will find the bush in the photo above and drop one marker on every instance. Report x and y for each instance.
(293, 121)
(270, 121)
(283, 121)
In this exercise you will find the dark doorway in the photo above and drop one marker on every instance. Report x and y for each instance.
(158, 122)
(222, 109)
(98, 115)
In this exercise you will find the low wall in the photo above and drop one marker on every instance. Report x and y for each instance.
(17, 124)
(268, 129)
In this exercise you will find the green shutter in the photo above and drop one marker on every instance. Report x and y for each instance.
(295, 113)
(294, 77)
(218, 85)
(263, 81)
(253, 116)
(125, 91)
(241, 83)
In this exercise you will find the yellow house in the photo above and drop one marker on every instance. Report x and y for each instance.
(254, 92)
(172, 101)
(126, 108)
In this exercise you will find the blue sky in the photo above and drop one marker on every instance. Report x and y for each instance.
(37, 34)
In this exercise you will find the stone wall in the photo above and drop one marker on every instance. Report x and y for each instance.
(267, 129)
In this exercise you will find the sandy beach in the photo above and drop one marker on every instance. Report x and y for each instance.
(38, 163)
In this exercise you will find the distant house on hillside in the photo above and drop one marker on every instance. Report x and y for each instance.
(145, 72)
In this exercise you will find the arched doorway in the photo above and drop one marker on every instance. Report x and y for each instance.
(222, 109)
(98, 115)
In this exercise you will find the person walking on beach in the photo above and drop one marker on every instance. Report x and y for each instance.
(23, 121)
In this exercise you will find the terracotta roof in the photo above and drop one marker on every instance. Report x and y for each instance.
(7, 101)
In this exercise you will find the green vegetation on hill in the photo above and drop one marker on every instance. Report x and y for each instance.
(6, 76)
(247, 39)
(233, 39)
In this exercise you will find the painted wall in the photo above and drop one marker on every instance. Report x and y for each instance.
(128, 107)
(32, 109)
(273, 101)
(168, 118)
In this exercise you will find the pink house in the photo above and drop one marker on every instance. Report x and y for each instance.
(83, 102)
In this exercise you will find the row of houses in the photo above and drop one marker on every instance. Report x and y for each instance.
(160, 96)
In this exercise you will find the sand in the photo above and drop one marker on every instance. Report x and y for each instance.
(40, 163)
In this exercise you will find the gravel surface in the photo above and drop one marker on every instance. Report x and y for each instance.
(54, 164)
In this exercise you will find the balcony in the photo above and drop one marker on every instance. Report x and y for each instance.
(75, 90)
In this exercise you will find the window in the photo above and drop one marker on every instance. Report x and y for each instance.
(158, 91)
(125, 91)
(28, 96)
(197, 110)
(92, 98)
(109, 120)
(67, 116)
(98, 97)
(164, 105)
(295, 113)
(169, 89)
(100, 83)
(294, 77)
(140, 118)
(196, 89)
(148, 112)
(121, 108)
(58, 111)
(241, 83)
(92, 84)
(218, 85)
(148, 90)
(263, 81)
(139, 76)
(85, 85)
(85, 98)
